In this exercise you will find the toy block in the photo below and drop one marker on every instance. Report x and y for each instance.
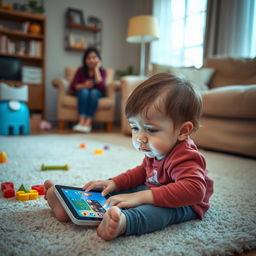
(33, 194)
(23, 188)
(3, 157)
(39, 188)
(98, 151)
(54, 167)
(9, 193)
(8, 189)
(6, 185)
(82, 145)
(22, 196)
(106, 147)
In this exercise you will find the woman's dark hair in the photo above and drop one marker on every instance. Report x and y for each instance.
(86, 53)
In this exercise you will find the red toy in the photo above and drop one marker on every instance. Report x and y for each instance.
(39, 188)
(8, 189)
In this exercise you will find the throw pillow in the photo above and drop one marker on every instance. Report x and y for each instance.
(200, 77)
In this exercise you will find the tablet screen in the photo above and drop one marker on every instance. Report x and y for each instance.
(83, 203)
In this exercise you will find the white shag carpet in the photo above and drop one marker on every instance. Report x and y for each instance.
(29, 228)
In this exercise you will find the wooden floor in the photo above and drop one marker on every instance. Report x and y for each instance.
(100, 131)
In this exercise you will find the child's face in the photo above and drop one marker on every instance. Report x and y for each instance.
(154, 136)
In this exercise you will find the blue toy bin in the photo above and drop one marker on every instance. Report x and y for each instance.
(14, 121)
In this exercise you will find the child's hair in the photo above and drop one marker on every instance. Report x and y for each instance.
(174, 96)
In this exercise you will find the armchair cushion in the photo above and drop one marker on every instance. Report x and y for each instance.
(71, 102)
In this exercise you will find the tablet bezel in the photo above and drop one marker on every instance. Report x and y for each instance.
(79, 220)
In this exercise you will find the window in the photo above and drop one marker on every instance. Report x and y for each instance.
(182, 25)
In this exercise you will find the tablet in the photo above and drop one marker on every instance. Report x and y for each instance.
(83, 207)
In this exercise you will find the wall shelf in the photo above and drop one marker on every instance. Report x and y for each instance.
(27, 57)
(83, 27)
(78, 37)
(20, 34)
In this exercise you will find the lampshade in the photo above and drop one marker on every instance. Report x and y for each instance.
(142, 28)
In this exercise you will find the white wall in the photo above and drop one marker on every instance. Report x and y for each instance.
(116, 52)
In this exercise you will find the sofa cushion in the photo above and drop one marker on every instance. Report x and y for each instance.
(199, 77)
(71, 102)
(230, 71)
(230, 101)
(226, 134)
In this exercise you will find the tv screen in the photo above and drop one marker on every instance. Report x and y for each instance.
(10, 68)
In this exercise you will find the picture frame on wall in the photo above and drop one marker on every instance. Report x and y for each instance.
(75, 16)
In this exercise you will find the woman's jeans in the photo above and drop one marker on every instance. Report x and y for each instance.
(88, 101)
(148, 218)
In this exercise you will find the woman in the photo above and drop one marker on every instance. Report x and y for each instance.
(89, 86)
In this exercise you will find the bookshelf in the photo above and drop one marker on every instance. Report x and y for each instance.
(23, 37)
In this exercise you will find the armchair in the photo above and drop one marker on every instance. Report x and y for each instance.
(67, 104)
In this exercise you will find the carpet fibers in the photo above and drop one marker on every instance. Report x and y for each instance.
(29, 228)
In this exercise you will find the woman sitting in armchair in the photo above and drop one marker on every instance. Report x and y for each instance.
(89, 86)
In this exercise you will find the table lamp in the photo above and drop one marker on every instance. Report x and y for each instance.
(142, 29)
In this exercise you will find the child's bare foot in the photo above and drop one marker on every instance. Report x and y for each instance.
(54, 202)
(112, 225)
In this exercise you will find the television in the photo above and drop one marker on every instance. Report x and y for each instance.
(10, 68)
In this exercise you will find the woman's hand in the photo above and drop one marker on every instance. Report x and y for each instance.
(131, 200)
(98, 64)
(87, 84)
(108, 186)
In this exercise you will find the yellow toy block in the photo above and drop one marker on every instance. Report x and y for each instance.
(3, 157)
(22, 196)
(33, 194)
(98, 151)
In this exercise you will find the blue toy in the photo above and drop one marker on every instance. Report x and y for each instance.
(14, 114)
(14, 118)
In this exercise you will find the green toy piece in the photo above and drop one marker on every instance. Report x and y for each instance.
(54, 167)
(23, 188)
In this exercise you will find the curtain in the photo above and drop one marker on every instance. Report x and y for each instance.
(230, 28)
(182, 25)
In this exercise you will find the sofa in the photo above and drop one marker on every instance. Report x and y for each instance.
(67, 103)
(228, 88)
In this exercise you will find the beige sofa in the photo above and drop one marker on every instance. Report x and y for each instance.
(67, 104)
(228, 121)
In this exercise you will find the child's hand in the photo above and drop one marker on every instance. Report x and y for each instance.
(109, 186)
(131, 200)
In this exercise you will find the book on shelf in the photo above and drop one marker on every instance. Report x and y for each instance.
(25, 26)
(33, 48)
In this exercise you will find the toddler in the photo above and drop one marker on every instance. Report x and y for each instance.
(172, 184)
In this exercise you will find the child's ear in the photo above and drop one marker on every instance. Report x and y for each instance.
(185, 130)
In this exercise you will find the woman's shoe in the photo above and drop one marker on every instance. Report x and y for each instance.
(77, 127)
(85, 129)
(82, 128)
